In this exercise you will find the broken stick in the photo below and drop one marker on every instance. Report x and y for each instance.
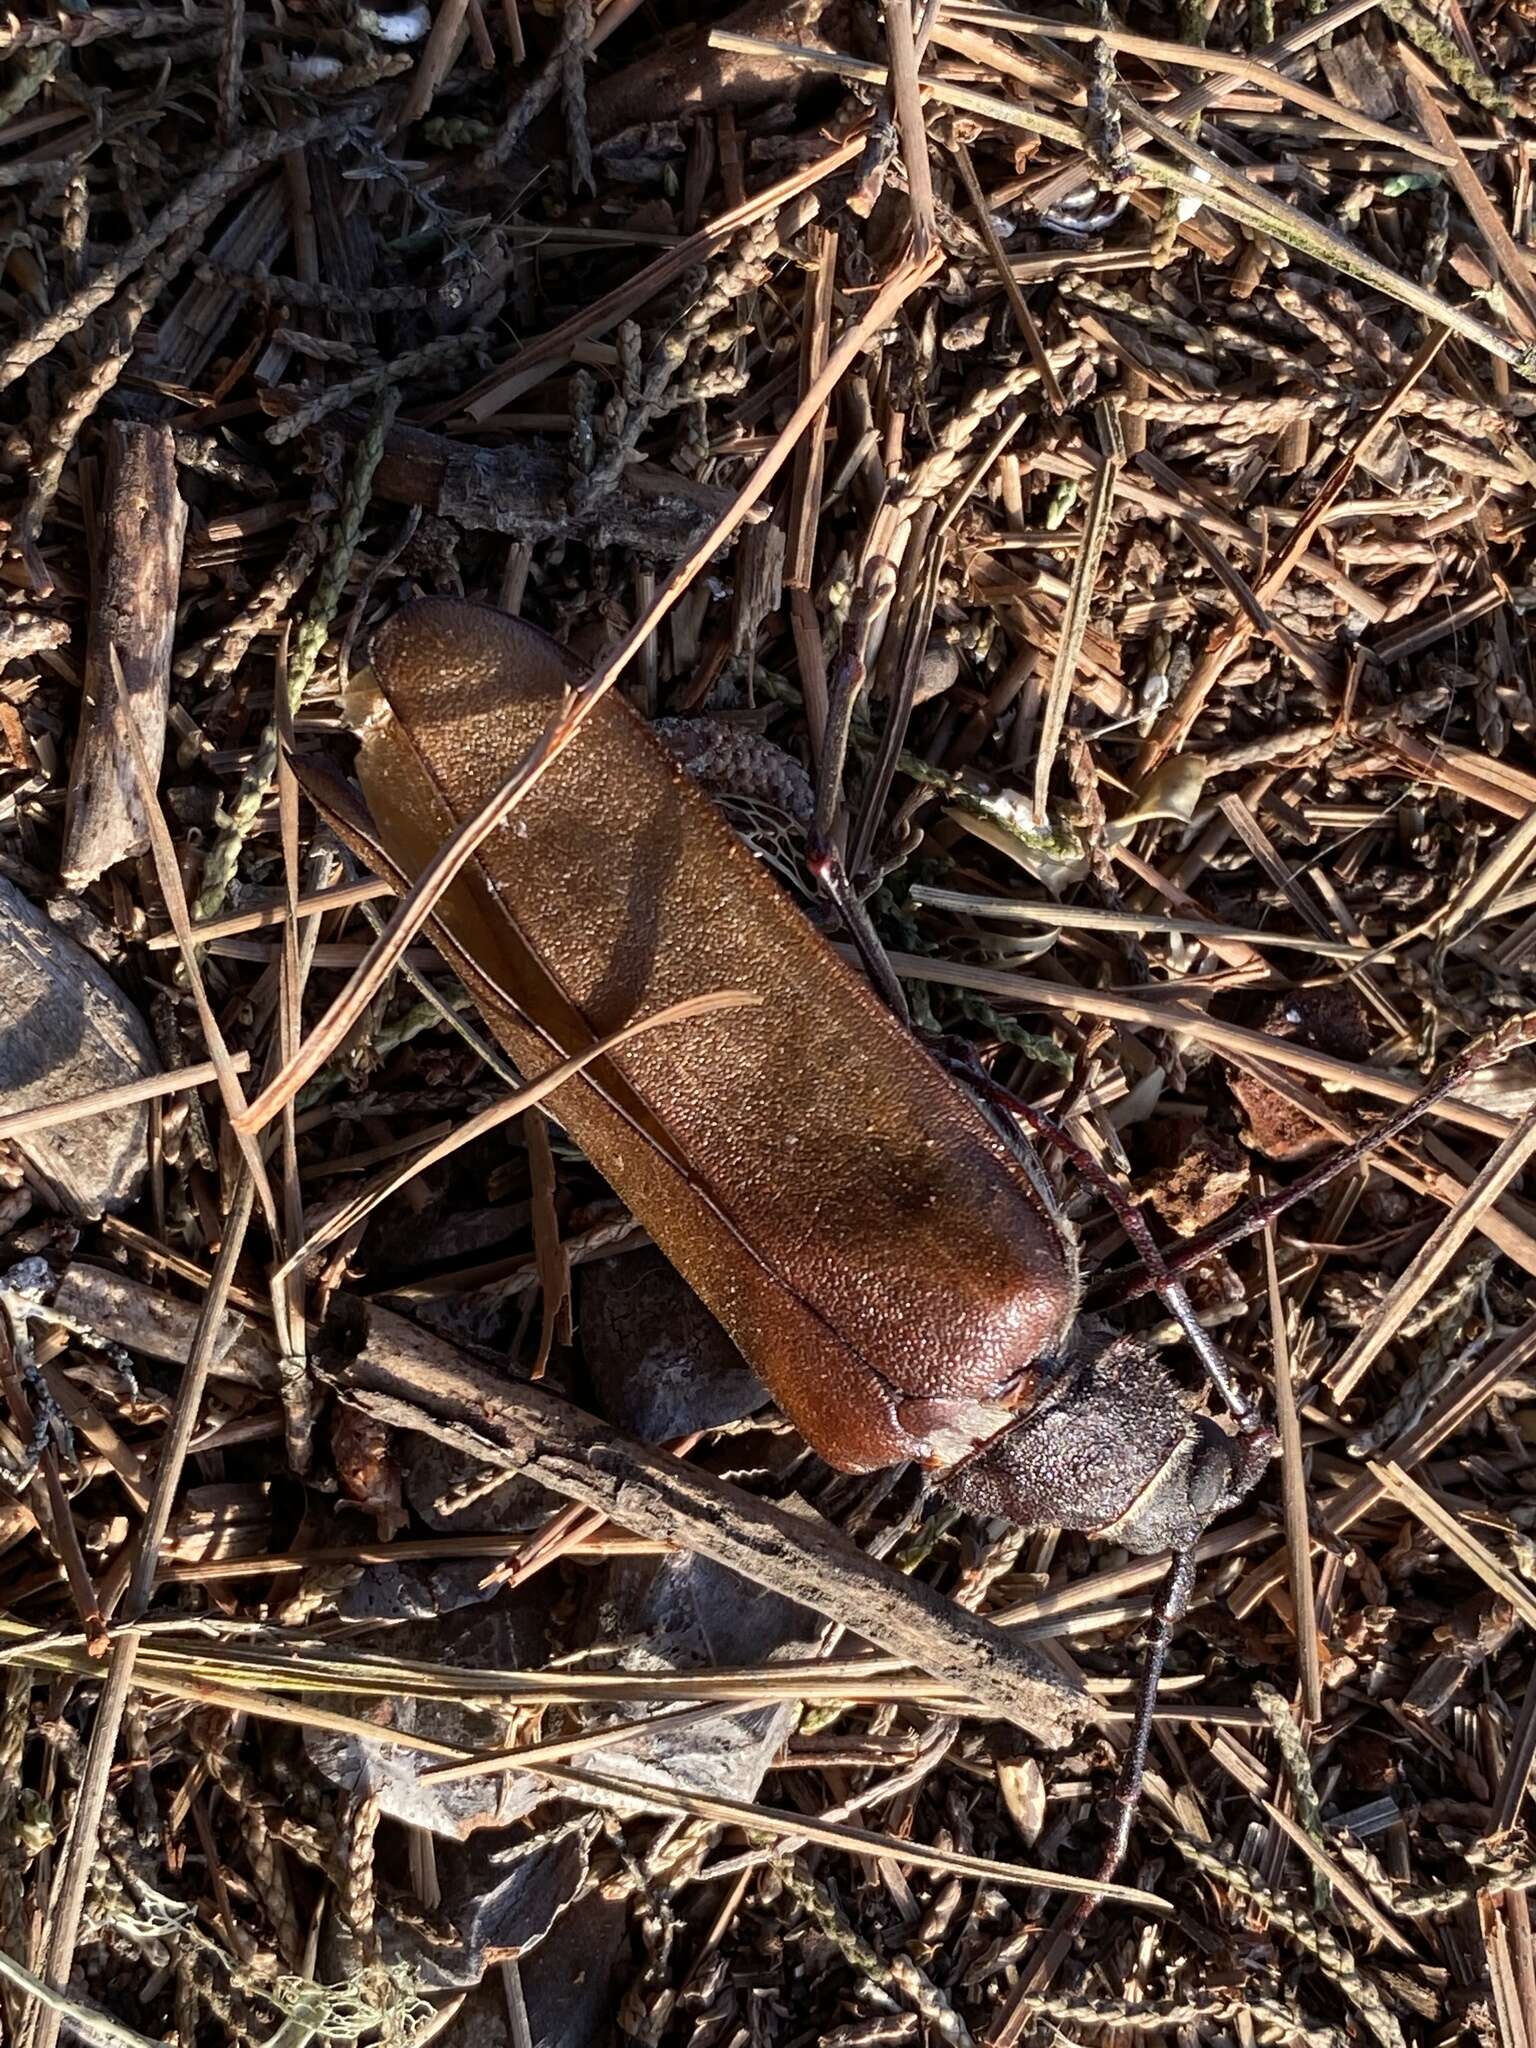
(134, 610)
(408, 1379)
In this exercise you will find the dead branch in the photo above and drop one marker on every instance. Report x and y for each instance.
(414, 1381)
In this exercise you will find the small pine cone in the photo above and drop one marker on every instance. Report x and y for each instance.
(727, 761)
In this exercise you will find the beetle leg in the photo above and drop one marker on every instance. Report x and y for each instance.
(1252, 1215)
(1167, 1612)
(1212, 1364)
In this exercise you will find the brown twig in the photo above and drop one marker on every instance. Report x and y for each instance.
(415, 1382)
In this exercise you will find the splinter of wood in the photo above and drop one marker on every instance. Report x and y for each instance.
(133, 610)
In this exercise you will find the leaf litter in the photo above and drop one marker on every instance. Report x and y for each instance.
(1136, 408)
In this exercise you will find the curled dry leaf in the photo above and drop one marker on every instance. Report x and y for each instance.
(505, 1635)
(367, 1469)
(1022, 1784)
(501, 1900)
(661, 1365)
(686, 1613)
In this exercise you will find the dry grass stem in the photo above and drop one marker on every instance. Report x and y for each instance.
(19, 1123)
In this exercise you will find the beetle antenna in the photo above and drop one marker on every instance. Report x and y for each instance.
(831, 877)
(1167, 1283)
(822, 857)
(845, 686)
(1252, 1215)
(1167, 1612)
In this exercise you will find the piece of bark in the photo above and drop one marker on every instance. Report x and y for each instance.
(1274, 1126)
(66, 1028)
(158, 1325)
(414, 1381)
(1359, 78)
(206, 310)
(24, 633)
(523, 489)
(1331, 1020)
(1202, 1174)
(144, 522)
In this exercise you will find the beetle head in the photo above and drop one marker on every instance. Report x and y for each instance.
(1112, 1448)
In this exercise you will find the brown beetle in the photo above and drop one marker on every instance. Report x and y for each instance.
(893, 1267)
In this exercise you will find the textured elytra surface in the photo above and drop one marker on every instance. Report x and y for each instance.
(901, 1264)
